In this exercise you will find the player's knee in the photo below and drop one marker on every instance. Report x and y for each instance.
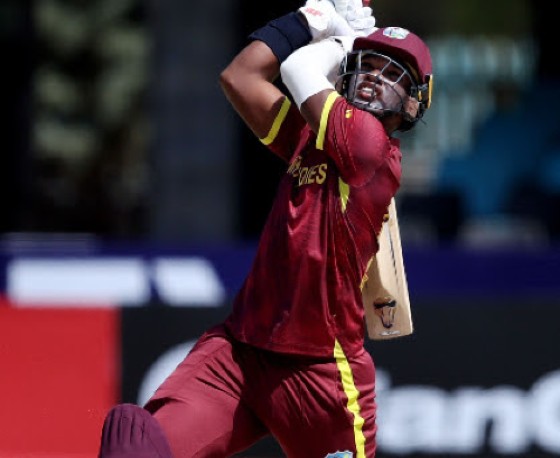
(131, 431)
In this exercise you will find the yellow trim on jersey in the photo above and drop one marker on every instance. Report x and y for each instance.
(344, 191)
(273, 132)
(352, 394)
(324, 118)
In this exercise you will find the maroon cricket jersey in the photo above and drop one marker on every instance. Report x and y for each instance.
(303, 292)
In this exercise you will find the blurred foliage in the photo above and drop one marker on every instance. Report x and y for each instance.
(89, 128)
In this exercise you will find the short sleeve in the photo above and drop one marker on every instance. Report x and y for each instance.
(285, 132)
(354, 139)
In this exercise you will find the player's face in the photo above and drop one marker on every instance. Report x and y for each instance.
(382, 85)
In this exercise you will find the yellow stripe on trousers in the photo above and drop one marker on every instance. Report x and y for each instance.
(352, 394)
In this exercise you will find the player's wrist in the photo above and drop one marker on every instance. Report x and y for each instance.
(284, 35)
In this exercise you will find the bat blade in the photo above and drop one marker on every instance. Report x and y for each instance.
(385, 294)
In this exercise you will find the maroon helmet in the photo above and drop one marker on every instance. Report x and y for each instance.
(403, 48)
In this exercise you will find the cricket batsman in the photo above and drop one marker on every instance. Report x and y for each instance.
(289, 360)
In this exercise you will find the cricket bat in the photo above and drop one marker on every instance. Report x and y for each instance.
(385, 291)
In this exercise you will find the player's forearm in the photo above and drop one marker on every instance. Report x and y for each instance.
(256, 60)
(247, 81)
(309, 75)
(248, 84)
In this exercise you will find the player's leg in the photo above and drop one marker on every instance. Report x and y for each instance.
(349, 412)
(322, 408)
(356, 387)
(223, 430)
(199, 405)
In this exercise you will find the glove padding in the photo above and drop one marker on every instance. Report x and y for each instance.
(358, 17)
(324, 21)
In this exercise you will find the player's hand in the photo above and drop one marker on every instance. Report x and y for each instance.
(323, 20)
(359, 17)
(341, 6)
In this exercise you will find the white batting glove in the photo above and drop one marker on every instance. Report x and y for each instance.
(363, 26)
(341, 6)
(323, 20)
(362, 21)
(359, 17)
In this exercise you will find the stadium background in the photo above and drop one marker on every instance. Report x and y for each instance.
(132, 197)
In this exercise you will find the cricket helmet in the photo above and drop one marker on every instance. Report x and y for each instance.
(401, 48)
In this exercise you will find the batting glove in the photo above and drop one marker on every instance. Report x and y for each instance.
(362, 21)
(323, 20)
(341, 6)
(359, 17)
